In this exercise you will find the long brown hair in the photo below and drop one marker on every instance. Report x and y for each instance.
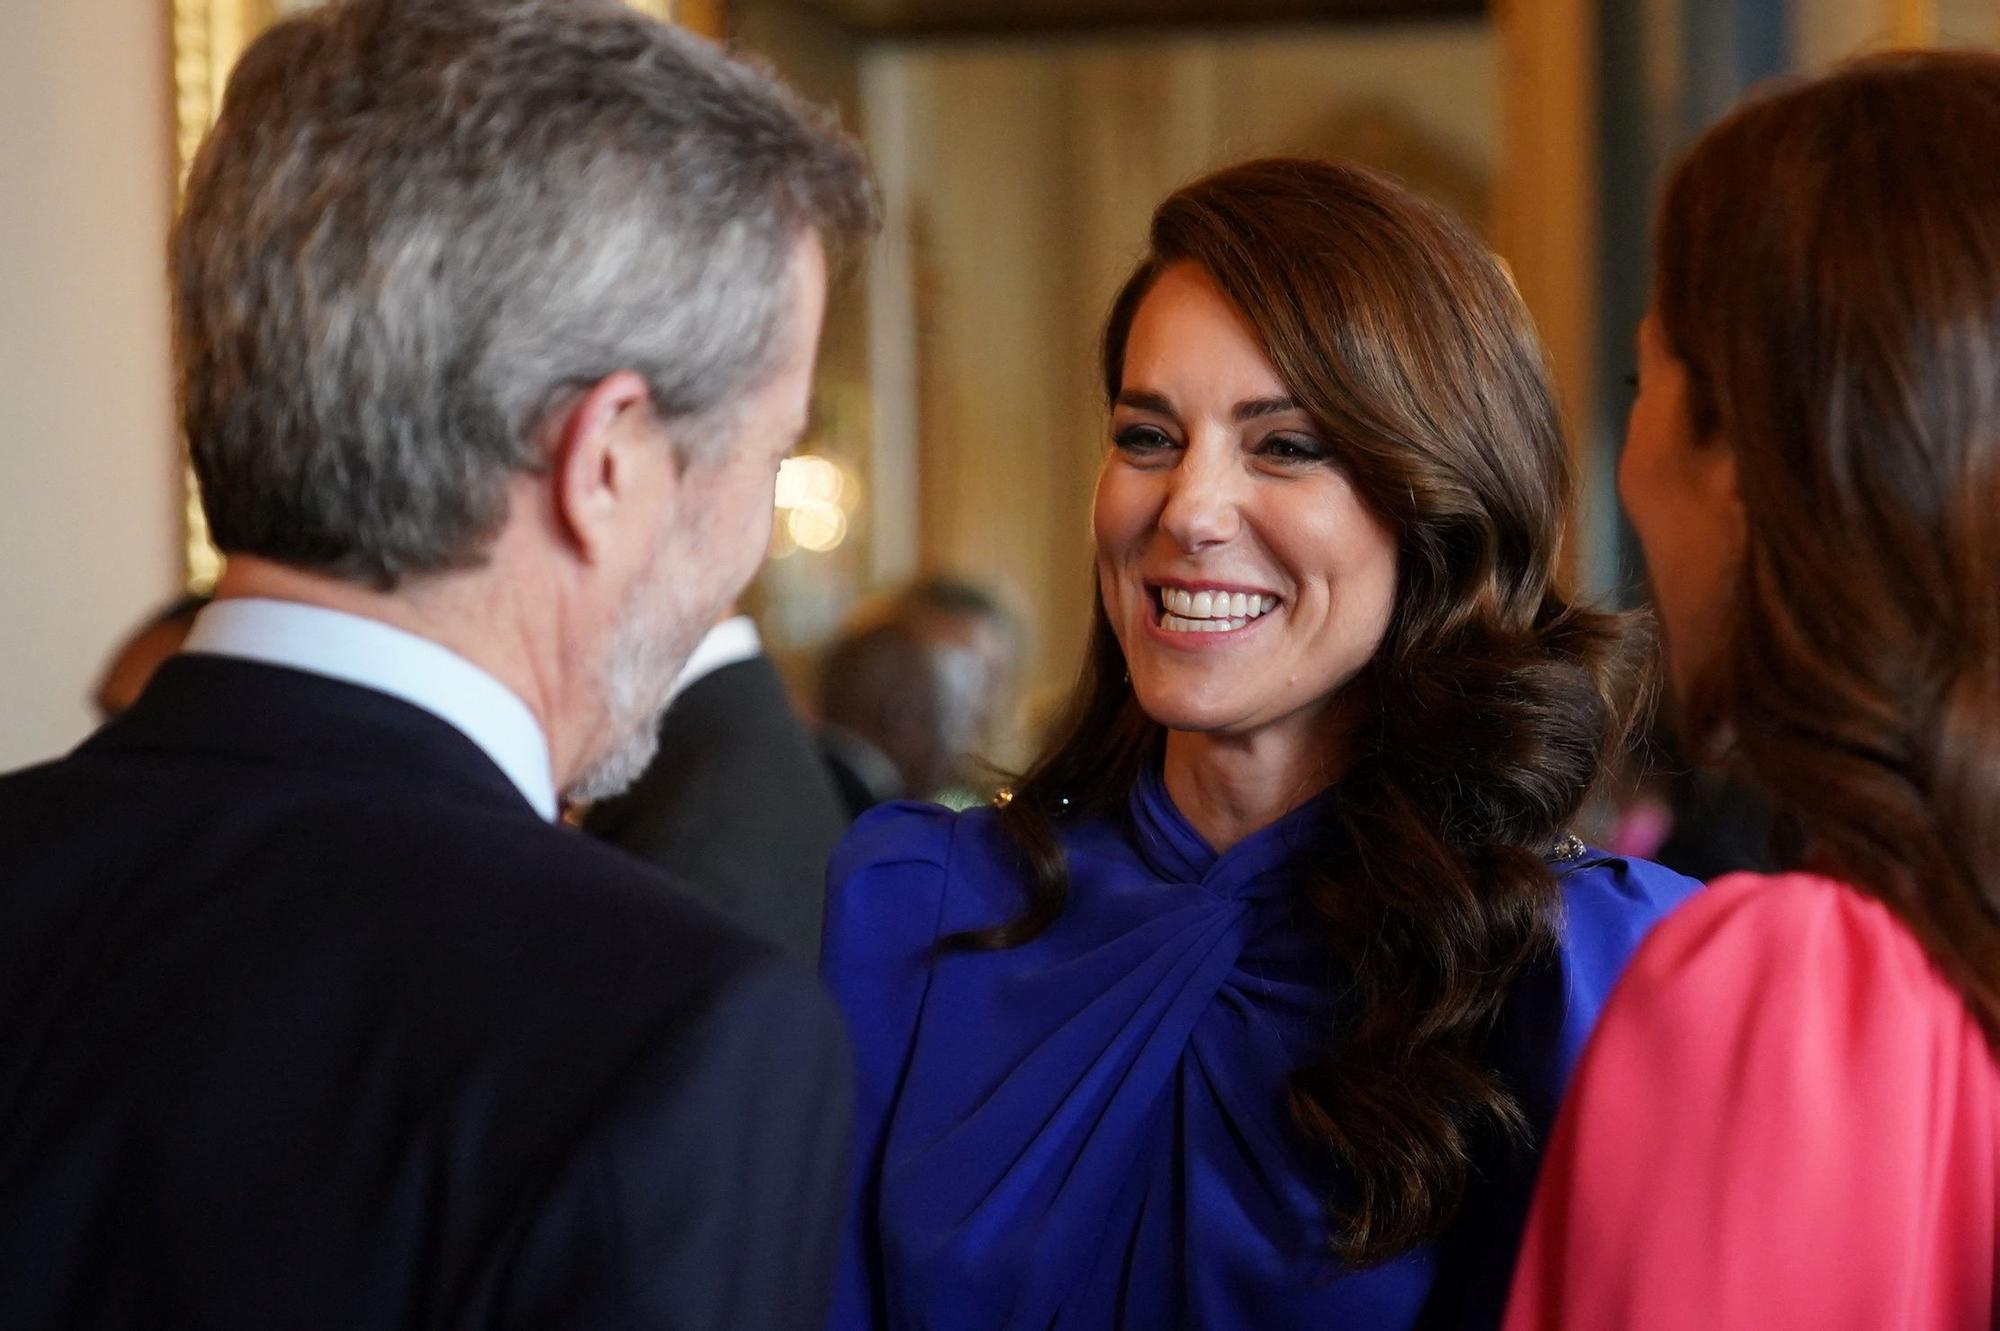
(1828, 270)
(1489, 707)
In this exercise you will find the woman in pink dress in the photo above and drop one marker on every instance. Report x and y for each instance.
(1789, 1112)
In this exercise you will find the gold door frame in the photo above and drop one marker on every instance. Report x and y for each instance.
(208, 35)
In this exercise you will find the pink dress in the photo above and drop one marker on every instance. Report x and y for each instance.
(1785, 1119)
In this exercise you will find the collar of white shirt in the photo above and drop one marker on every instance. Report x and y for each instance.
(371, 654)
(734, 639)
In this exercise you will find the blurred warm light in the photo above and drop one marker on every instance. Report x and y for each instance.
(814, 495)
(810, 479)
(817, 527)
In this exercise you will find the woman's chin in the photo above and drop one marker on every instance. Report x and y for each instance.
(1174, 710)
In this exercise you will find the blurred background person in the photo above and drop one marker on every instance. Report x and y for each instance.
(898, 711)
(916, 695)
(737, 803)
(964, 614)
(1790, 1114)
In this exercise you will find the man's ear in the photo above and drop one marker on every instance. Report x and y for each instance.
(604, 465)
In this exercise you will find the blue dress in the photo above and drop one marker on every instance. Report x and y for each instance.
(1090, 1131)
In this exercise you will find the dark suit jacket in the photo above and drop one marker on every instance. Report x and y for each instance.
(310, 1021)
(738, 805)
(863, 774)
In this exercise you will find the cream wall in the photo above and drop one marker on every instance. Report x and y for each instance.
(87, 517)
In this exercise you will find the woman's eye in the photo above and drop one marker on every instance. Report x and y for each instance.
(1142, 439)
(1294, 448)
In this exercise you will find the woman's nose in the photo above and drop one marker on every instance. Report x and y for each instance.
(1203, 503)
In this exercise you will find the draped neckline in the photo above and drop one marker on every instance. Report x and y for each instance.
(1173, 849)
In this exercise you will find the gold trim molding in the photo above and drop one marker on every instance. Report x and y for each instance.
(208, 36)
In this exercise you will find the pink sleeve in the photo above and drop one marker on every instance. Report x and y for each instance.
(1786, 1118)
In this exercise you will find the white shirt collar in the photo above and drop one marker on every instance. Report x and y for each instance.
(734, 639)
(374, 655)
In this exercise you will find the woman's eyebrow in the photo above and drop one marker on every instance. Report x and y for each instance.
(1264, 406)
(1140, 399)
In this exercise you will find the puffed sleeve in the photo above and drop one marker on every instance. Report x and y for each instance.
(1785, 1118)
(1611, 904)
(885, 894)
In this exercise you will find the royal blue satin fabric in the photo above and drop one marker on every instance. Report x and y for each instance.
(1090, 1130)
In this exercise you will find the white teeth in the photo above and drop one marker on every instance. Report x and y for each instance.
(1179, 624)
(1213, 611)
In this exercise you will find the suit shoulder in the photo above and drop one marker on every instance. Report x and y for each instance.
(597, 873)
(536, 888)
(26, 790)
(771, 989)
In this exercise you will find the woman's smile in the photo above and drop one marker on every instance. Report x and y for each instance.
(1203, 615)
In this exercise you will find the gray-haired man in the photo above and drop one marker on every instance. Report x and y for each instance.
(493, 319)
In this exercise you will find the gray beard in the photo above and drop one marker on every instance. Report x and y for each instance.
(654, 639)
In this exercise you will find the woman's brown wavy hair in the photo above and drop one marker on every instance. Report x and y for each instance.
(1828, 270)
(1488, 710)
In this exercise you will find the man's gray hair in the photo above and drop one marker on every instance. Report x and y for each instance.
(420, 226)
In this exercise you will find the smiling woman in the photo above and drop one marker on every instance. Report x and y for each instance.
(1220, 487)
(1252, 1004)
